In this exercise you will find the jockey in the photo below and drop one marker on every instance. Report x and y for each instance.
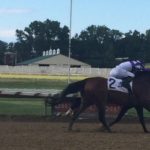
(126, 71)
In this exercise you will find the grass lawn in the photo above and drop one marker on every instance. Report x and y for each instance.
(132, 112)
(32, 83)
(23, 107)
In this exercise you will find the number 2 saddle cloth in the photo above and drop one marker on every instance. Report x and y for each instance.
(116, 85)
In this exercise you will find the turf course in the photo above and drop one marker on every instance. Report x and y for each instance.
(23, 107)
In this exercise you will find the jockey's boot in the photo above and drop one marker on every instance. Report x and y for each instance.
(126, 84)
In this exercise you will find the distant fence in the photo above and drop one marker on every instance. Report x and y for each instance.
(53, 70)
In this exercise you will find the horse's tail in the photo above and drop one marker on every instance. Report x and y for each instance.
(74, 87)
(70, 89)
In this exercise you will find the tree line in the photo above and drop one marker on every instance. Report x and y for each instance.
(98, 46)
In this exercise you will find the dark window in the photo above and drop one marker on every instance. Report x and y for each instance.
(46, 65)
(75, 66)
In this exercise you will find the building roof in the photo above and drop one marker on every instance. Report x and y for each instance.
(58, 59)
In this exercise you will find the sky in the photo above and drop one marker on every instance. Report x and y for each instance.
(122, 15)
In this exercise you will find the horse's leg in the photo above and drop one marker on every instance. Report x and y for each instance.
(141, 117)
(122, 112)
(75, 103)
(101, 115)
(83, 106)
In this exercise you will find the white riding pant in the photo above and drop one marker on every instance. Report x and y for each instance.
(120, 73)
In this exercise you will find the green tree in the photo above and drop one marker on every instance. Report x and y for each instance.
(3, 48)
(96, 45)
(132, 45)
(41, 36)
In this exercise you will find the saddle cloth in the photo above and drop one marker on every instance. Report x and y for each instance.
(116, 85)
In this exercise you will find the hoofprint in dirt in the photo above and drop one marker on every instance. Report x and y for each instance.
(47, 135)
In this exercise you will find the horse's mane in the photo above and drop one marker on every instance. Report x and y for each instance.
(145, 72)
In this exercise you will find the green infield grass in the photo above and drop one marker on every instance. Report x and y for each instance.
(32, 83)
(23, 107)
(132, 112)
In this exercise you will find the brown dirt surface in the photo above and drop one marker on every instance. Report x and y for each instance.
(53, 135)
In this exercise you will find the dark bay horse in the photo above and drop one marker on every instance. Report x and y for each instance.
(94, 92)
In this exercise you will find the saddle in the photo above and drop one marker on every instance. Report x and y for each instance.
(122, 85)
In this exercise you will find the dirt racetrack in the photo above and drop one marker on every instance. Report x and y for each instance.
(48, 135)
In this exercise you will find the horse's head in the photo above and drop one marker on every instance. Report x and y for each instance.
(145, 72)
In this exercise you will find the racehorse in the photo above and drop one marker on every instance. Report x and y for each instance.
(94, 91)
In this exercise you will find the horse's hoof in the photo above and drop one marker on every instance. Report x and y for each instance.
(69, 112)
(146, 131)
(58, 114)
(104, 129)
(109, 131)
